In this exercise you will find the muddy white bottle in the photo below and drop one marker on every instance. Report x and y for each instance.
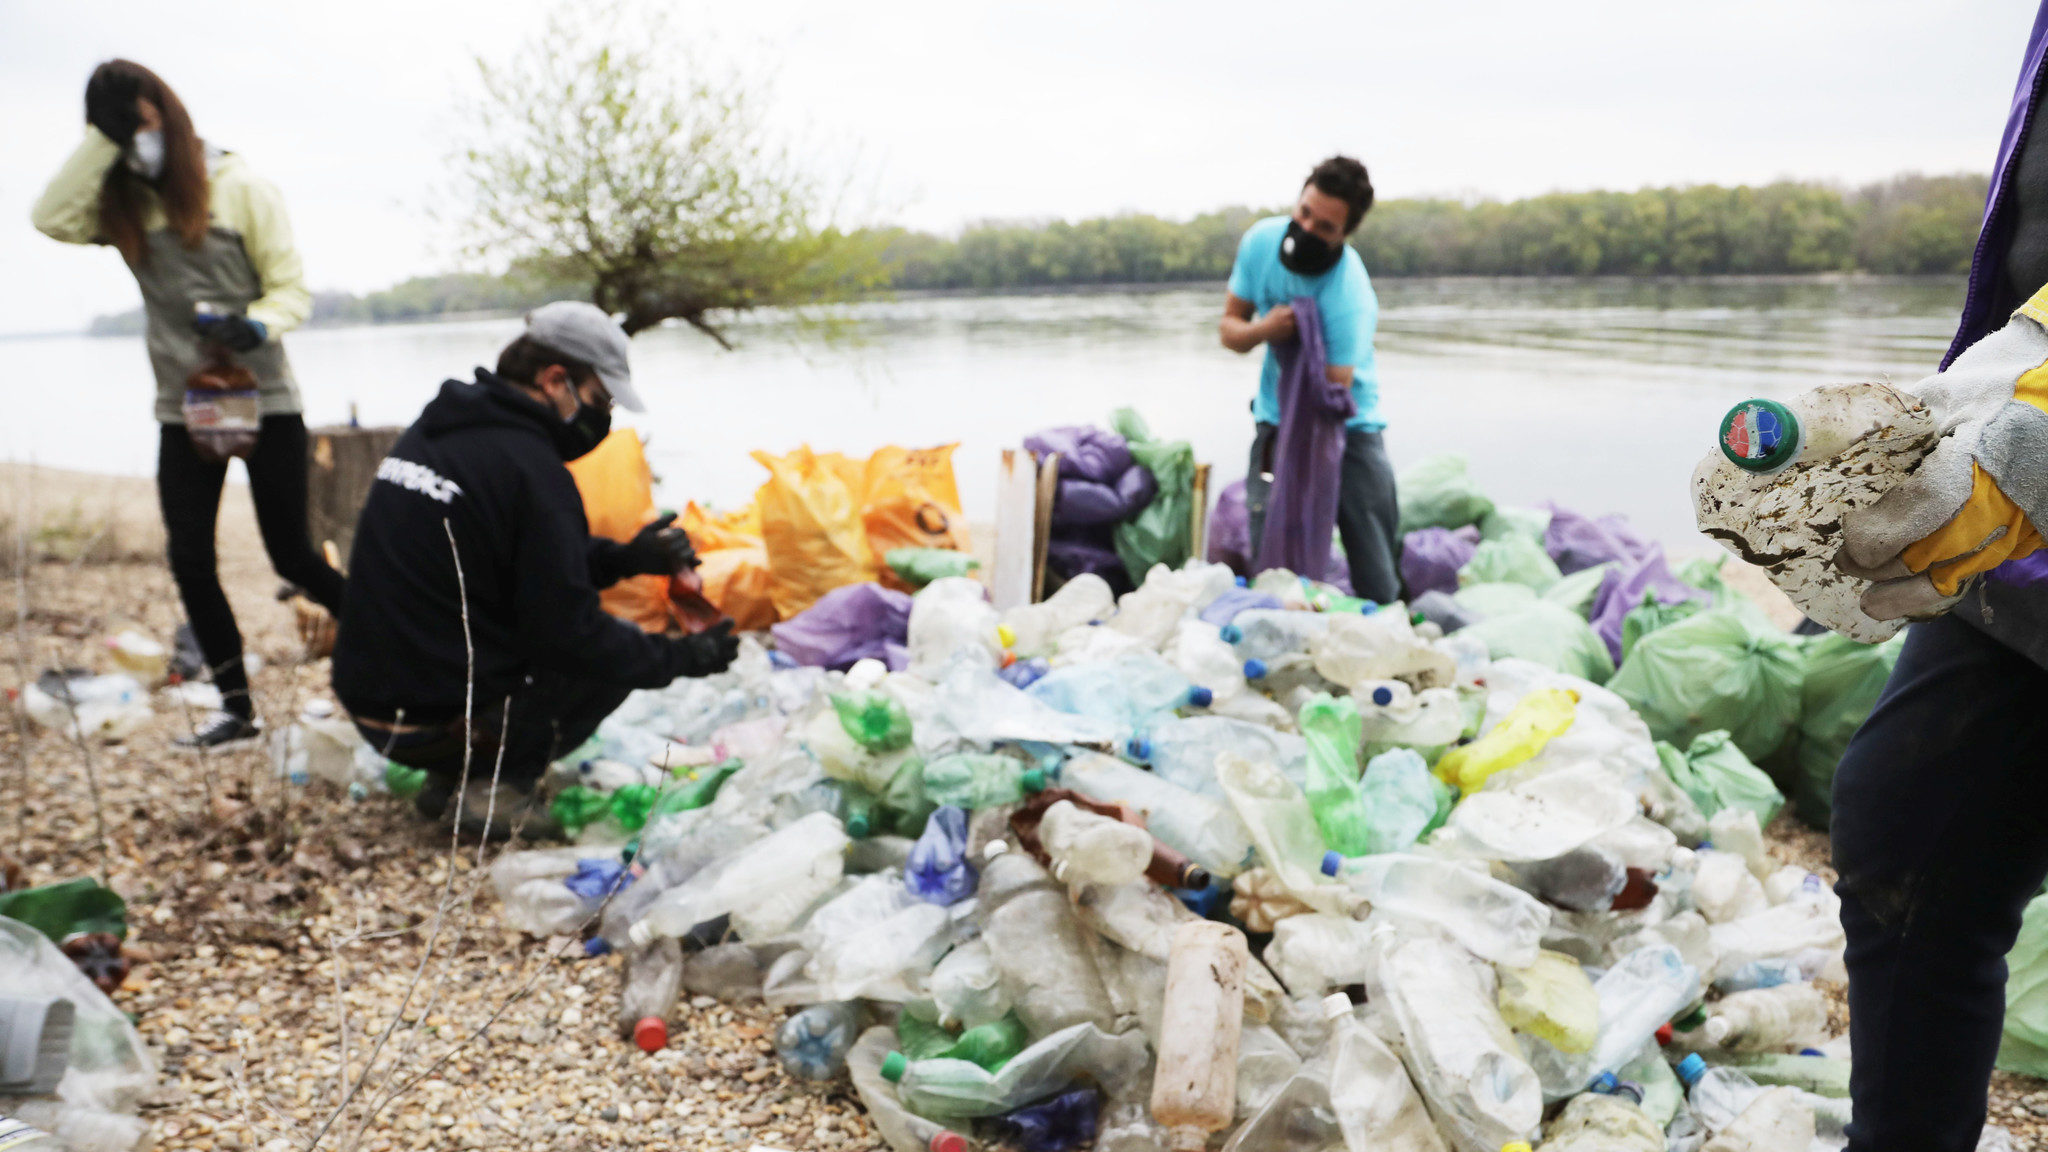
(1087, 848)
(1194, 1087)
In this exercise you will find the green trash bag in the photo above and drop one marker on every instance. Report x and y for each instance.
(68, 908)
(1843, 679)
(1578, 590)
(1507, 520)
(1515, 560)
(918, 567)
(1715, 773)
(1649, 616)
(875, 720)
(1437, 493)
(1483, 600)
(1161, 532)
(1718, 670)
(1549, 635)
(2024, 1047)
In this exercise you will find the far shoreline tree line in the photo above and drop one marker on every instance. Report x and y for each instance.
(1909, 225)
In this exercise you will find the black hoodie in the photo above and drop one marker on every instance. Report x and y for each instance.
(479, 474)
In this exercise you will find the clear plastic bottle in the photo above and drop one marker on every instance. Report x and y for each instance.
(1383, 646)
(1403, 799)
(1089, 849)
(1787, 1016)
(1265, 1062)
(901, 1129)
(1207, 830)
(813, 1043)
(1296, 1118)
(1039, 947)
(1777, 1120)
(654, 974)
(1269, 633)
(873, 939)
(951, 619)
(1034, 627)
(1375, 1102)
(1599, 1122)
(1584, 880)
(1316, 952)
(764, 887)
(1183, 750)
(1496, 921)
(1723, 889)
(1552, 999)
(1638, 994)
(1151, 612)
(1126, 692)
(937, 870)
(1717, 1095)
(1464, 1060)
(1194, 1086)
(967, 987)
(1392, 715)
(1283, 826)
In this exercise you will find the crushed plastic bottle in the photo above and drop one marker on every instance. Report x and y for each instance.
(1777, 487)
(980, 780)
(1194, 1087)
(961, 1089)
(1087, 848)
(1552, 999)
(1316, 952)
(1599, 1122)
(900, 1128)
(1085, 599)
(1199, 652)
(1183, 750)
(1376, 1104)
(1496, 921)
(1540, 718)
(1404, 801)
(938, 871)
(967, 987)
(1356, 649)
(1267, 634)
(1038, 946)
(1207, 830)
(1393, 715)
(654, 974)
(1639, 993)
(1459, 1051)
(1778, 1120)
(1786, 1016)
(951, 621)
(1330, 725)
(764, 887)
(813, 1043)
(1126, 693)
(1283, 827)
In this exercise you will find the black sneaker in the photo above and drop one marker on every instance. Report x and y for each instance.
(491, 813)
(220, 732)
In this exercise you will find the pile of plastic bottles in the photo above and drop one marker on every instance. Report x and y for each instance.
(1262, 864)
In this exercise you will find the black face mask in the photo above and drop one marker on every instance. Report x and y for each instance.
(583, 431)
(1307, 254)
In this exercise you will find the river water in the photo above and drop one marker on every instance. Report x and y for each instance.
(1599, 394)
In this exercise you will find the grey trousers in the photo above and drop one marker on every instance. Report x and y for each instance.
(1368, 513)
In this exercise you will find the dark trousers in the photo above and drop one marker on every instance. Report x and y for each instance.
(189, 488)
(1368, 515)
(1941, 838)
(538, 724)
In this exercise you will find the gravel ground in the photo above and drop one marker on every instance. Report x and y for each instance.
(253, 904)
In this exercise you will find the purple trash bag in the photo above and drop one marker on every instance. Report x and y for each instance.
(1624, 588)
(1070, 556)
(1230, 530)
(1081, 503)
(1086, 452)
(1431, 557)
(848, 624)
(1308, 455)
(1579, 542)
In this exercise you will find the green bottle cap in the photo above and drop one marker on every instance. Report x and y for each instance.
(893, 1065)
(1691, 1020)
(1033, 780)
(858, 825)
(1761, 436)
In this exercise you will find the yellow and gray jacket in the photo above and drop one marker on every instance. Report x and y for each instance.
(245, 264)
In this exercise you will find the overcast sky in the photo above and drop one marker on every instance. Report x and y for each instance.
(1048, 108)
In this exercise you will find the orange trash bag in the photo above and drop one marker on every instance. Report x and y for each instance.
(734, 563)
(618, 499)
(811, 526)
(910, 500)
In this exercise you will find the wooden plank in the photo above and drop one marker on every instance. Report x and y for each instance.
(1041, 521)
(1198, 531)
(341, 463)
(1016, 495)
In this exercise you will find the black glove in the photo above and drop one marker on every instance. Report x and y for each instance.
(708, 653)
(236, 333)
(657, 550)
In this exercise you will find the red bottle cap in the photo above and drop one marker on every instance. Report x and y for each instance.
(1664, 1035)
(948, 1142)
(651, 1034)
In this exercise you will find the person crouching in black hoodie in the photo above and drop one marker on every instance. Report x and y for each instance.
(471, 636)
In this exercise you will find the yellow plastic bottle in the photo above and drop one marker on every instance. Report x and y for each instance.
(1553, 999)
(1539, 718)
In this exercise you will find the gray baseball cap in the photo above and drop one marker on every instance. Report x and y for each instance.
(582, 330)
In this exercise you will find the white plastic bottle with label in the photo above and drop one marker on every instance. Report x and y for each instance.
(1776, 487)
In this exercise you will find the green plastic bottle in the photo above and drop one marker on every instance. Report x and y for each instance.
(980, 780)
(1332, 727)
(633, 804)
(921, 1039)
(989, 1045)
(577, 807)
(696, 787)
(875, 720)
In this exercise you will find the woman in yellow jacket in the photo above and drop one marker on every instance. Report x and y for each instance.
(212, 252)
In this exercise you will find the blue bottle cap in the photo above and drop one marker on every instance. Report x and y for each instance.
(1231, 633)
(1383, 695)
(1605, 1083)
(1812, 1052)
(596, 946)
(1255, 669)
(1331, 863)
(1691, 1069)
(1200, 697)
(1368, 608)
(1243, 583)
(1205, 902)
(1138, 748)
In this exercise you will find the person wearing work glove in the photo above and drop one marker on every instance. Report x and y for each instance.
(472, 643)
(1938, 828)
(211, 249)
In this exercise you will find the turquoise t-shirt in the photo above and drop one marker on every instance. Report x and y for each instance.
(1344, 295)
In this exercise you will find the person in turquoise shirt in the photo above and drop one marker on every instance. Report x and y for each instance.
(1305, 254)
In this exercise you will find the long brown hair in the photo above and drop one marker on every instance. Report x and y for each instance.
(110, 106)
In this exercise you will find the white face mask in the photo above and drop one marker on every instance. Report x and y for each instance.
(146, 154)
